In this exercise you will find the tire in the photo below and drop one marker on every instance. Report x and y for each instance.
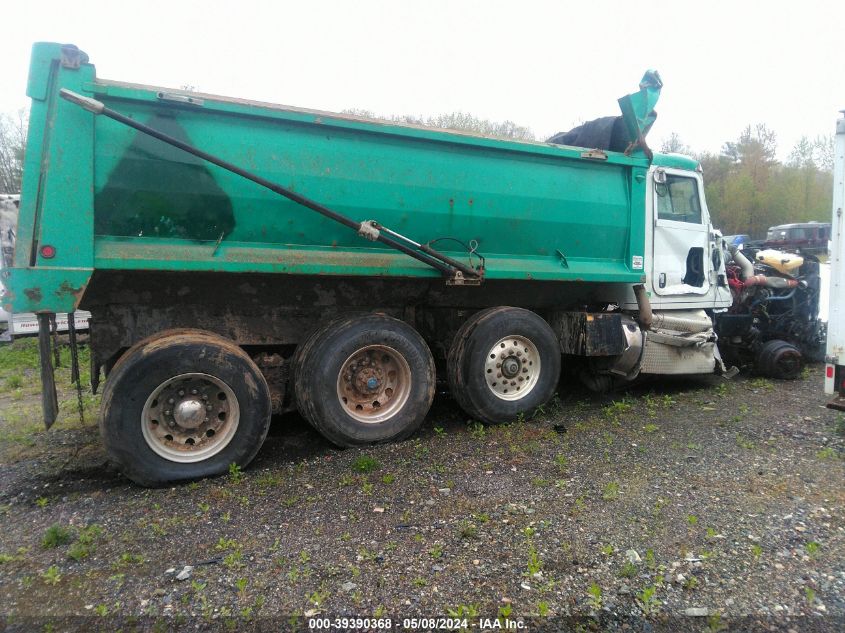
(514, 335)
(778, 359)
(364, 380)
(136, 417)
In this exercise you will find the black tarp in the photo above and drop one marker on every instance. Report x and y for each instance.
(607, 133)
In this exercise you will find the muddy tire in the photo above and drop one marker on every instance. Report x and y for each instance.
(778, 359)
(181, 405)
(364, 380)
(503, 362)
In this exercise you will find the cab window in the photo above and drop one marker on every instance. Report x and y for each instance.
(677, 200)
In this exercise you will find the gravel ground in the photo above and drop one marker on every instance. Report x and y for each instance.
(679, 505)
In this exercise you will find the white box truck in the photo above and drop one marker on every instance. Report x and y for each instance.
(834, 381)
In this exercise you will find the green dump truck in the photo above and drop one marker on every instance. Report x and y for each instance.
(241, 259)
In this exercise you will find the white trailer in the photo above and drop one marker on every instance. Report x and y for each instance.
(834, 381)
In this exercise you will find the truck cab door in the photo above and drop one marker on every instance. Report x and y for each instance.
(681, 245)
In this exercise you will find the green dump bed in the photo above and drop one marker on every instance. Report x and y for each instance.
(100, 195)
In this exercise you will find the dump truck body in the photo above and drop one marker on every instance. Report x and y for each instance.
(125, 201)
(293, 242)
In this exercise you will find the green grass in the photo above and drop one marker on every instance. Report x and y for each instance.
(615, 410)
(18, 356)
(55, 536)
(52, 575)
(743, 442)
(594, 598)
(14, 382)
(534, 562)
(467, 530)
(366, 464)
(647, 601)
(610, 492)
(828, 452)
(20, 424)
(84, 545)
(236, 475)
(560, 461)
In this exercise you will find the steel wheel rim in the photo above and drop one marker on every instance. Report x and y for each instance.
(512, 367)
(373, 384)
(788, 364)
(190, 417)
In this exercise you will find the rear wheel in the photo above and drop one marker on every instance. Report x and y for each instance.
(364, 379)
(503, 362)
(183, 405)
(779, 359)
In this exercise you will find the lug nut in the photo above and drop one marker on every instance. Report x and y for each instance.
(181, 392)
(194, 392)
(208, 407)
(171, 401)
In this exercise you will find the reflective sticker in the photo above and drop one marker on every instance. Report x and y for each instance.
(637, 262)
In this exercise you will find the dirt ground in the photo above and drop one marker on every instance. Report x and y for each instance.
(684, 504)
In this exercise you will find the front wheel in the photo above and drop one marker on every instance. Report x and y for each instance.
(183, 405)
(503, 362)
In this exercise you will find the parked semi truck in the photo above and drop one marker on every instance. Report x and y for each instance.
(241, 258)
(834, 383)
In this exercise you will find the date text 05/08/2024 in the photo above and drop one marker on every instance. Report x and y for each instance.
(424, 624)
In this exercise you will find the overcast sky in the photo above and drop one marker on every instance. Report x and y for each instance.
(545, 65)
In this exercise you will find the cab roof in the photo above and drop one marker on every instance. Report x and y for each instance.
(676, 161)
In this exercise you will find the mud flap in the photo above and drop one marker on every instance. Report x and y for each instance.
(49, 399)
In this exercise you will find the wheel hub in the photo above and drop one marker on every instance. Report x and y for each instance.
(189, 414)
(374, 383)
(368, 380)
(512, 367)
(190, 417)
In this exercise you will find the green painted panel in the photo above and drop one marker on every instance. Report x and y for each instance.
(111, 197)
(44, 289)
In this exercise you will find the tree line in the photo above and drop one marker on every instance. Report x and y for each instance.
(746, 187)
(12, 146)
